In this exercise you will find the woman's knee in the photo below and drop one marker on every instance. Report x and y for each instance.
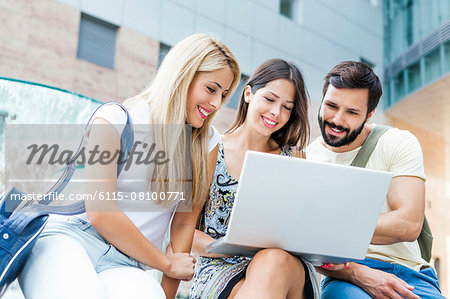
(56, 267)
(273, 256)
(277, 261)
(51, 251)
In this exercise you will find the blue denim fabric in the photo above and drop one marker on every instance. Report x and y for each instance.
(425, 282)
(103, 255)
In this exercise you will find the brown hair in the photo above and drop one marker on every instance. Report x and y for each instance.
(357, 75)
(296, 131)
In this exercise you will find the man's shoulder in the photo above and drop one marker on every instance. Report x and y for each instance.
(398, 151)
(394, 131)
(394, 137)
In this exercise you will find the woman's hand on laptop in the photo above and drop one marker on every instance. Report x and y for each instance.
(201, 240)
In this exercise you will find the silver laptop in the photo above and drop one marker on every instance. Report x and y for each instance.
(322, 212)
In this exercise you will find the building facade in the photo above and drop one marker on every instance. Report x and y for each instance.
(111, 49)
(417, 98)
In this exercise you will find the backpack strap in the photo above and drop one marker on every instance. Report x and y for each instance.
(368, 146)
(425, 238)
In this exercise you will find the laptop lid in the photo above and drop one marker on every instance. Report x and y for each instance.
(306, 207)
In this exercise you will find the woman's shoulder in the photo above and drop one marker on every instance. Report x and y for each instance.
(114, 114)
(213, 138)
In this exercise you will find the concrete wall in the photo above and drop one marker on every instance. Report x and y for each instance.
(324, 33)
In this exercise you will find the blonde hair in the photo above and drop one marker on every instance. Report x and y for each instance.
(166, 96)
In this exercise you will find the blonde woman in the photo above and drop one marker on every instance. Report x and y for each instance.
(104, 252)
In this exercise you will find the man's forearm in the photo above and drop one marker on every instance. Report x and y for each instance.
(392, 228)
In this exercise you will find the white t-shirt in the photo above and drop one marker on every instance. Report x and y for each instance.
(152, 224)
(399, 152)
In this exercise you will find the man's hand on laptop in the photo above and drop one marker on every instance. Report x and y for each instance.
(335, 267)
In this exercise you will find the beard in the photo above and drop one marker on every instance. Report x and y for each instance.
(335, 141)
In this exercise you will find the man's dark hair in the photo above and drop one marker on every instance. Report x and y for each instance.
(358, 75)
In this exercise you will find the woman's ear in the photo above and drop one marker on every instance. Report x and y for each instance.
(247, 93)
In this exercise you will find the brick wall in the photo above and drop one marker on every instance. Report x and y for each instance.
(39, 40)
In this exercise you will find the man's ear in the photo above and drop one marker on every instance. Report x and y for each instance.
(370, 115)
(247, 93)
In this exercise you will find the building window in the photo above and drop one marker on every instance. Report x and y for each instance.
(409, 30)
(233, 102)
(414, 77)
(447, 57)
(289, 8)
(399, 86)
(432, 65)
(163, 50)
(97, 41)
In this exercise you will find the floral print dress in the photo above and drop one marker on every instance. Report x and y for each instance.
(212, 275)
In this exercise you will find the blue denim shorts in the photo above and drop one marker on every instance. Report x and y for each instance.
(103, 255)
(425, 282)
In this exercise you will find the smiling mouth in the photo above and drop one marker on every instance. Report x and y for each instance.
(203, 112)
(335, 131)
(268, 122)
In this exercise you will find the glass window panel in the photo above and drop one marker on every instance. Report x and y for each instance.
(396, 31)
(436, 13)
(286, 8)
(399, 87)
(414, 77)
(416, 15)
(444, 11)
(432, 66)
(447, 57)
(409, 22)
